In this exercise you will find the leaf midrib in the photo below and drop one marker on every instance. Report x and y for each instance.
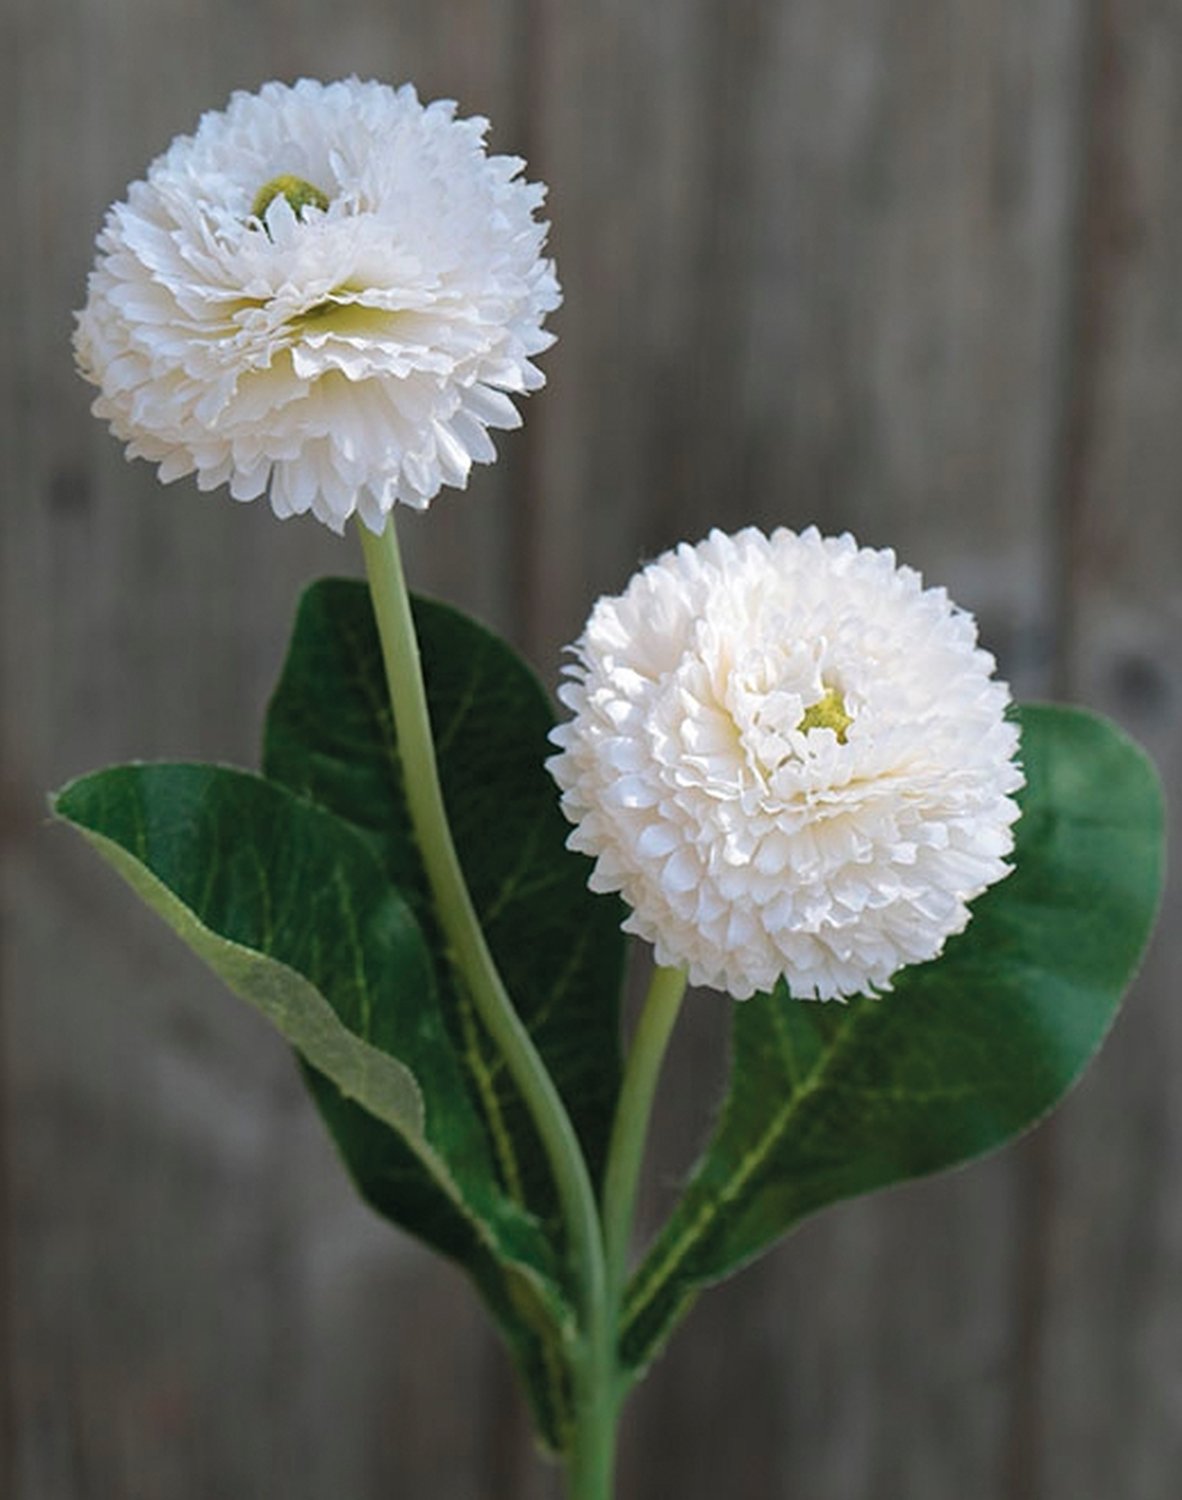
(649, 1285)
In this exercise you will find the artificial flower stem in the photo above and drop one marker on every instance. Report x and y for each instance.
(461, 926)
(630, 1130)
(590, 1475)
(601, 1394)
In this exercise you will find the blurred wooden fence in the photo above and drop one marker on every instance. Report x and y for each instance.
(911, 267)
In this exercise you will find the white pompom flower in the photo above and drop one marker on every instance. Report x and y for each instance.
(330, 292)
(791, 759)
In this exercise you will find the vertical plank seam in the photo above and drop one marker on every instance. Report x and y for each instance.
(506, 1445)
(8, 1462)
(530, 50)
(1093, 170)
(1089, 295)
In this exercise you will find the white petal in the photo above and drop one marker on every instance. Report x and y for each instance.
(360, 350)
(749, 846)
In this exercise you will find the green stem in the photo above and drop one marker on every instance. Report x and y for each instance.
(597, 1411)
(657, 1018)
(465, 938)
(599, 1398)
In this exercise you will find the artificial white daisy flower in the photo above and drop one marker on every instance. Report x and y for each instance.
(791, 759)
(330, 292)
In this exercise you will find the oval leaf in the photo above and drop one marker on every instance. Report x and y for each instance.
(279, 902)
(559, 948)
(829, 1101)
(291, 908)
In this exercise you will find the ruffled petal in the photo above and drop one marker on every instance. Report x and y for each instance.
(346, 358)
(790, 759)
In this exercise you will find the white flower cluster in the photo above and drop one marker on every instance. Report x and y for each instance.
(791, 759)
(330, 292)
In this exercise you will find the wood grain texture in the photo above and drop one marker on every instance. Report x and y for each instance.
(904, 266)
(1110, 1407)
(839, 297)
(199, 1306)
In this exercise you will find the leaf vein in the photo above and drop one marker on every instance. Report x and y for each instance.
(647, 1289)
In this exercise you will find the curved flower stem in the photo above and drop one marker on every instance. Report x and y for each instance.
(626, 1151)
(602, 1393)
(464, 936)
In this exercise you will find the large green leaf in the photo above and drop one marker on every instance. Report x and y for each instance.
(828, 1101)
(291, 907)
(559, 949)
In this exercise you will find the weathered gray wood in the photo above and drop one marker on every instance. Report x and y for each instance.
(200, 1307)
(1109, 1412)
(828, 288)
(910, 268)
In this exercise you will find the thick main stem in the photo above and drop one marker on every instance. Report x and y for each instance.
(465, 938)
(590, 1475)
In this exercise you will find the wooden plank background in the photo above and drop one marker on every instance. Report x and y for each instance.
(912, 267)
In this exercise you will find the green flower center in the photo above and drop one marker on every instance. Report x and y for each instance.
(299, 194)
(827, 713)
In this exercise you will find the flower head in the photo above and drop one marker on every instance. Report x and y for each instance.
(791, 759)
(330, 292)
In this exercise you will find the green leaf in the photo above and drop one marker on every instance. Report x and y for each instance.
(829, 1101)
(291, 907)
(559, 948)
(331, 739)
(285, 905)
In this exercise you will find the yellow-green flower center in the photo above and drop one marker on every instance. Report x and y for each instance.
(827, 713)
(299, 194)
